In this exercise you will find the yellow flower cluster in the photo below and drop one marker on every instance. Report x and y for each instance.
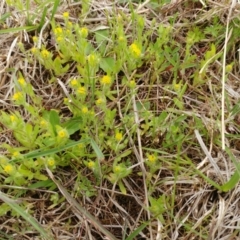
(84, 32)
(91, 164)
(45, 53)
(82, 90)
(8, 169)
(135, 50)
(84, 109)
(118, 136)
(58, 31)
(21, 81)
(17, 96)
(106, 80)
(74, 82)
(62, 133)
(152, 158)
(66, 14)
(51, 162)
(13, 118)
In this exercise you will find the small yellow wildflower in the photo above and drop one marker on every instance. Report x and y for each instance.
(45, 53)
(33, 49)
(118, 136)
(66, 100)
(92, 59)
(82, 90)
(135, 50)
(117, 169)
(51, 162)
(177, 86)
(74, 82)
(59, 39)
(8, 169)
(63, 133)
(22, 81)
(66, 14)
(99, 101)
(121, 39)
(17, 96)
(43, 123)
(84, 32)
(35, 39)
(84, 109)
(106, 80)
(229, 68)
(58, 30)
(81, 145)
(132, 84)
(152, 158)
(91, 164)
(13, 118)
(69, 24)
(16, 154)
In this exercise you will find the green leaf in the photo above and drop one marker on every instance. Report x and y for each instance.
(107, 64)
(42, 184)
(18, 29)
(55, 7)
(97, 150)
(42, 153)
(137, 231)
(122, 187)
(54, 119)
(73, 124)
(233, 181)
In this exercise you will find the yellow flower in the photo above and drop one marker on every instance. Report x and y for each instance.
(152, 158)
(132, 84)
(66, 14)
(59, 39)
(84, 32)
(82, 90)
(21, 81)
(58, 30)
(106, 80)
(84, 109)
(118, 136)
(62, 133)
(43, 123)
(45, 53)
(74, 82)
(51, 162)
(16, 154)
(69, 24)
(13, 118)
(91, 164)
(99, 101)
(177, 87)
(81, 145)
(33, 49)
(135, 50)
(17, 96)
(117, 169)
(35, 39)
(8, 168)
(92, 59)
(121, 39)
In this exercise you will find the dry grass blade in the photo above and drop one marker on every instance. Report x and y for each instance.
(80, 211)
(204, 148)
(13, 204)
